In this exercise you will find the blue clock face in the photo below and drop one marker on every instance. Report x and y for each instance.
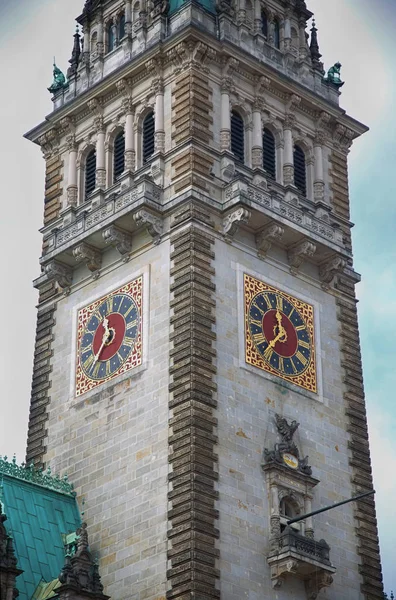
(279, 334)
(109, 337)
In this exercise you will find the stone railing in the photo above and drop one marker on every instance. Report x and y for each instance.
(293, 541)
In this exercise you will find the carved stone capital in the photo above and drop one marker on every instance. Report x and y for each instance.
(153, 224)
(227, 85)
(157, 86)
(262, 84)
(233, 221)
(91, 256)
(289, 121)
(119, 239)
(61, 274)
(95, 106)
(294, 102)
(330, 269)
(270, 234)
(299, 253)
(230, 65)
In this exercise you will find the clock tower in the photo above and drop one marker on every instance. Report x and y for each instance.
(197, 367)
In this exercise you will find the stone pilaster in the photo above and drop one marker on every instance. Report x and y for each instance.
(192, 516)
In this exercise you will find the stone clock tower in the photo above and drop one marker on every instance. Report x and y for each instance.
(197, 362)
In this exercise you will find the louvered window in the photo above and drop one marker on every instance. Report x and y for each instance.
(300, 177)
(269, 155)
(264, 24)
(122, 26)
(90, 172)
(237, 136)
(119, 155)
(110, 38)
(276, 34)
(148, 137)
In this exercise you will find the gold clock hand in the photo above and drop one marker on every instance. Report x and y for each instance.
(104, 340)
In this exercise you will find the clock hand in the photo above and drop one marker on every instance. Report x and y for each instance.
(105, 338)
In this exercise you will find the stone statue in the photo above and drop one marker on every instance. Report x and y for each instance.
(334, 75)
(59, 81)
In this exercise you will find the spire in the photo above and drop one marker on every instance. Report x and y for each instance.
(314, 48)
(75, 57)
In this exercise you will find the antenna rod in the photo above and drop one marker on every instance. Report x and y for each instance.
(316, 512)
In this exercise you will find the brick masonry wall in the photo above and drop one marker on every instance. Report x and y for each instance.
(192, 516)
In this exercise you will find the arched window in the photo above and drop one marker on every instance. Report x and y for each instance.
(148, 136)
(90, 172)
(269, 154)
(121, 27)
(119, 156)
(276, 34)
(264, 24)
(300, 176)
(287, 511)
(237, 136)
(110, 37)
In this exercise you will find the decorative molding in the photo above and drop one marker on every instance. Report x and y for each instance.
(299, 253)
(153, 224)
(270, 234)
(60, 273)
(121, 240)
(89, 255)
(233, 221)
(330, 269)
(36, 475)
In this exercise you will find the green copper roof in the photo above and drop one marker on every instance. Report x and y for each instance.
(174, 5)
(37, 517)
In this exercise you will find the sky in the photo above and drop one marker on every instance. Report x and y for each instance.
(358, 33)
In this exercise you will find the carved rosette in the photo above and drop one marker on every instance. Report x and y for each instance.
(152, 223)
(264, 240)
(119, 239)
(233, 221)
(90, 256)
(299, 253)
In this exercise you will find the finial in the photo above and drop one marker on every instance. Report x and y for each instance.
(314, 48)
(75, 57)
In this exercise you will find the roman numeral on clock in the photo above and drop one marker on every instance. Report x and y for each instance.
(279, 303)
(259, 338)
(303, 359)
(304, 344)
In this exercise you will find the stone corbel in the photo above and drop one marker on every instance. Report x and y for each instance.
(299, 253)
(91, 256)
(233, 221)
(153, 224)
(316, 582)
(119, 239)
(329, 269)
(49, 143)
(270, 234)
(280, 571)
(61, 274)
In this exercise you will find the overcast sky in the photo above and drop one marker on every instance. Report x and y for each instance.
(358, 33)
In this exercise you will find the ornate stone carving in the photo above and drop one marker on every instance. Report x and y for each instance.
(270, 234)
(153, 224)
(49, 143)
(314, 584)
(72, 195)
(257, 157)
(60, 273)
(121, 240)
(288, 174)
(286, 432)
(233, 221)
(91, 256)
(330, 269)
(319, 191)
(299, 253)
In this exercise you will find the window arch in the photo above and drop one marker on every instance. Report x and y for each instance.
(269, 153)
(288, 510)
(90, 172)
(237, 136)
(119, 156)
(121, 26)
(148, 128)
(264, 24)
(276, 34)
(300, 174)
(110, 37)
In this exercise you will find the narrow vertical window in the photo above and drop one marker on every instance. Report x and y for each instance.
(110, 37)
(119, 156)
(264, 24)
(148, 136)
(90, 172)
(121, 27)
(276, 34)
(300, 177)
(237, 136)
(269, 153)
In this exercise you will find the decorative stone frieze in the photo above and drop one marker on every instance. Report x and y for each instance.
(270, 234)
(233, 221)
(153, 224)
(121, 240)
(90, 256)
(299, 253)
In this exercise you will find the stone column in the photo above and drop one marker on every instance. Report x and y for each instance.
(302, 39)
(257, 146)
(288, 159)
(257, 16)
(159, 130)
(129, 136)
(100, 42)
(242, 11)
(72, 189)
(318, 168)
(309, 532)
(225, 119)
(287, 33)
(100, 153)
(274, 519)
(128, 18)
(87, 42)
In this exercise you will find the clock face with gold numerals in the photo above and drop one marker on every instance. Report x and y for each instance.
(279, 333)
(109, 340)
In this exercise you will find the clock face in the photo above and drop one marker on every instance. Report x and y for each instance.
(279, 333)
(109, 336)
